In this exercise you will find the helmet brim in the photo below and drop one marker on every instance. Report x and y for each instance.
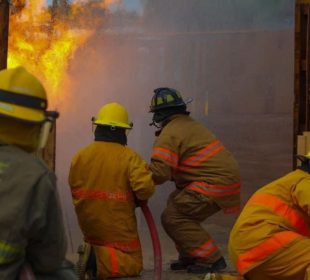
(118, 124)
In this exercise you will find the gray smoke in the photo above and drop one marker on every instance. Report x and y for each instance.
(234, 57)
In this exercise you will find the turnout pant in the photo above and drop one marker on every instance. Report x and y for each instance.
(113, 263)
(181, 219)
(291, 263)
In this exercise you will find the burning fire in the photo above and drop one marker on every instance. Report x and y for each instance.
(44, 43)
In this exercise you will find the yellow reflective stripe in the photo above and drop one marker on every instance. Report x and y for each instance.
(9, 253)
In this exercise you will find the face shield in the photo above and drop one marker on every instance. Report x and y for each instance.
(129, 129)
(47, 127)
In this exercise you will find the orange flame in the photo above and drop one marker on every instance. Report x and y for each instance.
(43, 45)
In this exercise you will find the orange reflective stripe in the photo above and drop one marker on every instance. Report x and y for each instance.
(202, 155)
(92, 194)
(125, 246)
(204, 250)
(166, 155)
(214, 190)
(259, 253)
(113, 261)
(282, 209)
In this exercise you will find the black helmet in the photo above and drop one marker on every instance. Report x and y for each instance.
(166, 98)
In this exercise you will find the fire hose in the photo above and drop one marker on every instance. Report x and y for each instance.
(26, 273)
(155, 239)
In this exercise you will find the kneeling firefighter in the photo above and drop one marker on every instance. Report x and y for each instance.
(271, 238)
(106, 179)
(32, 230)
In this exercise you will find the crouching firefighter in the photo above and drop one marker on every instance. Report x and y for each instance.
(32, 230)
(271, 238)
(106, 177)
(206, 176)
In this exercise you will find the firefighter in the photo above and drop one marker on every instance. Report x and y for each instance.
(31, 223)
(270, 239)
(106, 179)
(206, 176)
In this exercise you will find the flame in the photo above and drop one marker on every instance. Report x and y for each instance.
(112, 2)
(42, 44)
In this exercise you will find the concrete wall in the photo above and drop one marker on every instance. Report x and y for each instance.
(234, 57)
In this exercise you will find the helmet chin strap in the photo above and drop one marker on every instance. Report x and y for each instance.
(159, 119)
(160, 127)
(153, 123)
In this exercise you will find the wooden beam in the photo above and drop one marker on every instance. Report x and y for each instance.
(4, 32)
(300, 2)
(302, 71)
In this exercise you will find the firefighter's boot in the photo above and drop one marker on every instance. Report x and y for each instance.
(182, 263)
(224, 276)
(83, 269)
(199, 268)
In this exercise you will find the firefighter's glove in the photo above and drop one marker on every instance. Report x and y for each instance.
(158, 132)
(139, 202)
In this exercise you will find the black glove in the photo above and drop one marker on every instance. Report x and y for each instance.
(139, 202)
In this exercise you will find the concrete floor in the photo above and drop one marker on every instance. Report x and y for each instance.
(219, 233)
(167, 275)
(171, 275)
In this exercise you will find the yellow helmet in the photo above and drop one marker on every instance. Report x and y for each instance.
(113, 114)
(22, 96)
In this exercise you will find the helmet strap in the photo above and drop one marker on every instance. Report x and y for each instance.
(153, 123)
(23, 100)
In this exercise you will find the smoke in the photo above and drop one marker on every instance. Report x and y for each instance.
(235, 58)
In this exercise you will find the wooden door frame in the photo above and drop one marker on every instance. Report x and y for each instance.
(302, 71)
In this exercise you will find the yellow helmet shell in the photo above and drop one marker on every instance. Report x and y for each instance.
(20, 83)
(113, 114)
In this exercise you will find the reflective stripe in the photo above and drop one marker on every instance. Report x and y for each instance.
(204, 250)
(214, 190)
(167, 155)
(125, 246)
(202, 155)
(282, 209)
(92, 194)
(113, 261)
(9, 253)
(264, 250)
